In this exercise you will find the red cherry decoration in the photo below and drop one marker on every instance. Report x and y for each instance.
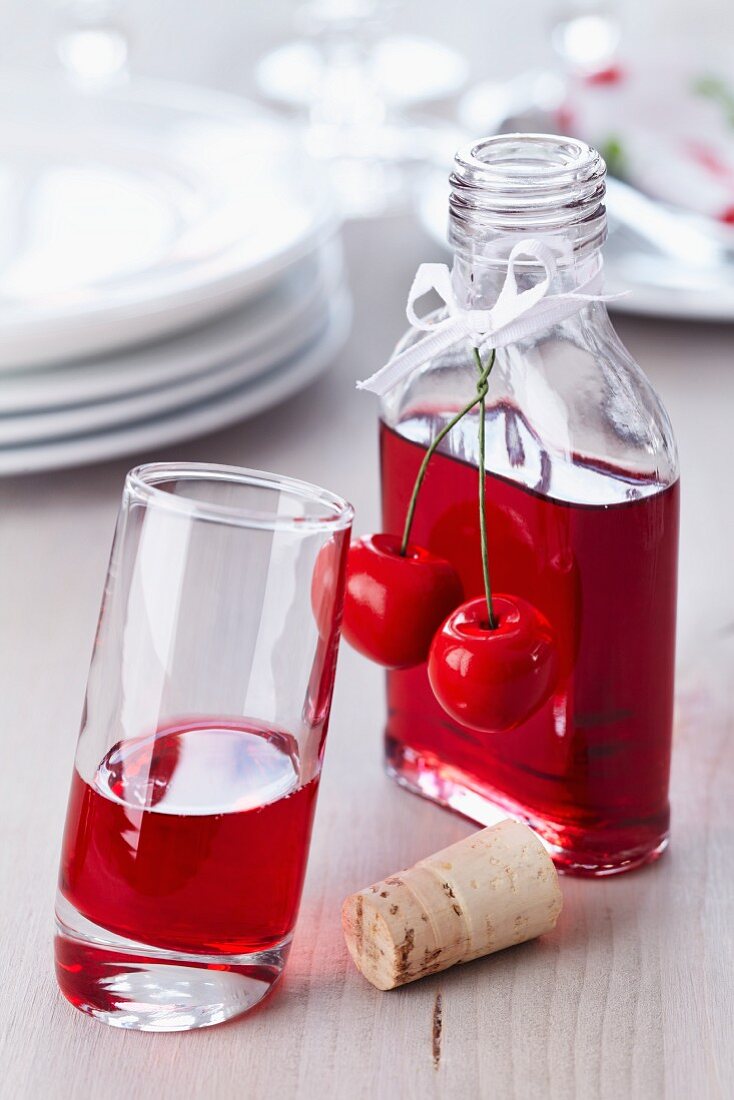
(394, 603)
(492, 680)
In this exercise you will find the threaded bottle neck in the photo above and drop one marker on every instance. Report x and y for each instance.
(538, 184)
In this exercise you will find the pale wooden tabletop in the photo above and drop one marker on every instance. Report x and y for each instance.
(630, 997)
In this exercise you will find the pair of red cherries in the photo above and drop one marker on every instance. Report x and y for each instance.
(402, 609)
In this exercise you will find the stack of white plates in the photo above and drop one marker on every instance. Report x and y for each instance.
(168, 265)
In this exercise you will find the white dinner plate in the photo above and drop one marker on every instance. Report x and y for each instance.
(658, 286)
(250, 334)
(227, 408)
(129, 213)
(222, 376)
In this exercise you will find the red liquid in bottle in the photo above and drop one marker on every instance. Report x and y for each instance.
(192, 840)
(590, 769)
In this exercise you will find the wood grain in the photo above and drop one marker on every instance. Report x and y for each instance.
(631, 996)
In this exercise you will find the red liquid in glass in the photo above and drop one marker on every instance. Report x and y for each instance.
(192, 840)
(590, 769)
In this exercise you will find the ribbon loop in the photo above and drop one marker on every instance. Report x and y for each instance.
(515, 315)
(430, 277)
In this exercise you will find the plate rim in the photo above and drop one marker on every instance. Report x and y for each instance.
(108, 416)
(226, 409)
(113, 372)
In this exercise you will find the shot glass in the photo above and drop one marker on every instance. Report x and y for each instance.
(198, 762)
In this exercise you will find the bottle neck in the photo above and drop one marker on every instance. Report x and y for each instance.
(514, 186)
(478, 281)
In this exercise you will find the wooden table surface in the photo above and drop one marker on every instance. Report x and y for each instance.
(630, 997)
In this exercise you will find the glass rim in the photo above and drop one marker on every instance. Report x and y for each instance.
(144, 481)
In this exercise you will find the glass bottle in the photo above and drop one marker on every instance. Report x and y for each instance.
(582, 512)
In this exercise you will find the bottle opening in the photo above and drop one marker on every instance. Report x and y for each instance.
(528, 183)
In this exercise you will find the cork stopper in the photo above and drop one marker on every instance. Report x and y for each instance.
(491, 890)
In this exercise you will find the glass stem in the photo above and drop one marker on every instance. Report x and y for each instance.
(482, 385)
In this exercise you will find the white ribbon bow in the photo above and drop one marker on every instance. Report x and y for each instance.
(514, 315)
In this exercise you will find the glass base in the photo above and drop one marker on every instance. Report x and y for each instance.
(130, 985)
(574, 851)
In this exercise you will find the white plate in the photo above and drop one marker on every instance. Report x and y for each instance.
(218, 412)
(133, 212)
(223, 376)
(256, 328)
(658, 286)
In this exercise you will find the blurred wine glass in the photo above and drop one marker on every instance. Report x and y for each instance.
(356, 86)
(407, 69)
(91, 41)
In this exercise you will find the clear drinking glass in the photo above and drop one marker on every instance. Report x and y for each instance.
(202, 736)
